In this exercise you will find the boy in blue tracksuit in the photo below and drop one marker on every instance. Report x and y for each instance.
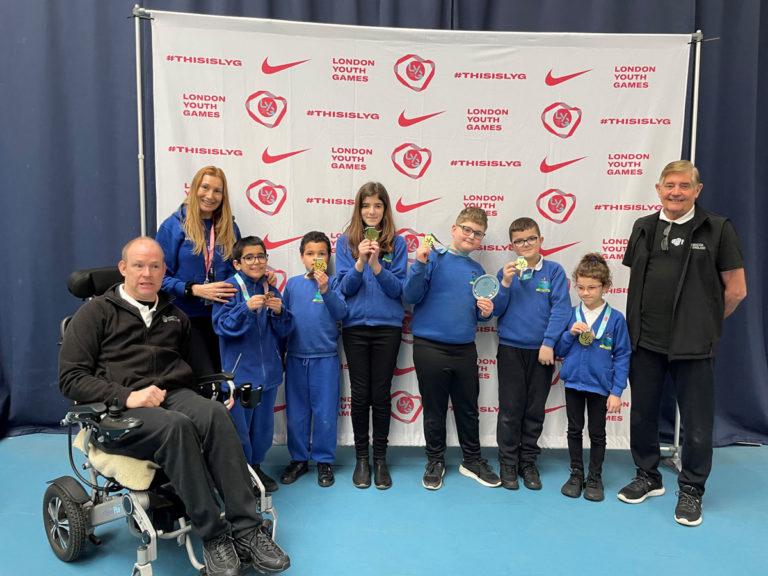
(250, 326)
(444, 323)
(595, 351)
(533, 309)
(312, 363)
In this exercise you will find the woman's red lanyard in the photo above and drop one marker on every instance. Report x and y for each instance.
(209, 252)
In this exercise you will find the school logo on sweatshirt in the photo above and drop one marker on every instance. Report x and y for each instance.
(606, 342)
(543, 285)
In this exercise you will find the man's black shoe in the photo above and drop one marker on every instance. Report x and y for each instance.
(269, 483)
(531, 478)
(220, 557)
(574, 485)
(361, 478)
(594, 490)
(433, 475)
(325, 476)
(293, 472)
(509, 477)
(641, 487)
(481, 471)
(381, 476)
(688, 509)
(256, 548)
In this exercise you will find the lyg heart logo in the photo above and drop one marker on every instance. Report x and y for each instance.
(405, 406)
(414, 72)
(556, 205)
(407, 335)
(281, 278)
(411, 160)
(266, 197)
(561, 119)
(266, 108)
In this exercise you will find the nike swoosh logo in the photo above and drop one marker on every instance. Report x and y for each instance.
(405, 122)
(547, 168)
(268, 69)
(401, 371)
(279, 408)
(270, 244)
(402, 208)
(548, 251)
(268, 158)
(555, 80)
(548, 410)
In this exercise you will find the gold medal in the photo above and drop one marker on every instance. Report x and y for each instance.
(429, 240)
(319, 264)
(371, 233)
(521, 263)
(268, 295)
(586, 338)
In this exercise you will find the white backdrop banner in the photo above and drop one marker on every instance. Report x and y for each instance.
(570, 129)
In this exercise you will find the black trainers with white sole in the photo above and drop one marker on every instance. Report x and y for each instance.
(641, 487)
(481, 471)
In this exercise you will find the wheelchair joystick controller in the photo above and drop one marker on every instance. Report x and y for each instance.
(114, 425)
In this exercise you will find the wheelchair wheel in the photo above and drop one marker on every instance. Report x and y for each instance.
(65, 523)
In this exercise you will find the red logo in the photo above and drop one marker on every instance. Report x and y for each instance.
(272, 244)
(553, 409)
(551, 80)
(405, 406)
(548, 251)
(267, 69)
(403, 208)
(411, 160)
(407, 336)
(266, 108)
(266, 197)
(546, 168)
(403, 371)
(405, 122)
(556, 205)
(268, 158)
(281, 278)
(414, 72)
(412, 241)
(561, 119)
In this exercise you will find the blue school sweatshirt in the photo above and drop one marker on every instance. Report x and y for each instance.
(316, 329)
(372, 300)
(445, 309)
(535, 311)
(254, 334)
(603, 366)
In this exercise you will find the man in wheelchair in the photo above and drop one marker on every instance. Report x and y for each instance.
(128, 349)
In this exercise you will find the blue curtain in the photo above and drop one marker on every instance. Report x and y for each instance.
(69, 172)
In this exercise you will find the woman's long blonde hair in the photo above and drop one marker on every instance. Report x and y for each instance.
(222, 218)
(355, 229)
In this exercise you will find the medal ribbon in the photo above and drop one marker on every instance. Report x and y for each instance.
(243, 289)
(603, 323)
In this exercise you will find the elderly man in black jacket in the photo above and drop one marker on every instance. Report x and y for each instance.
(130, 346)
(687, 275)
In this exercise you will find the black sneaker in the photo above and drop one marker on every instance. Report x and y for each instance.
(594, 490)
(531, 478)
(481, 471)
(256, 548)
(640, 488)
(509, 477)
(269, 483)
(325, 476)
(361, 478)
(433, 475)
(293, 472)
(574, 485)
(381, 476)
(220, 557)
(688, 509)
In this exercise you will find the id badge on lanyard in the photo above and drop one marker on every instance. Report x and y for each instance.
(208, 256)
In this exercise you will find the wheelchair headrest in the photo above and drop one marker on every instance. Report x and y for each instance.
(93, 281)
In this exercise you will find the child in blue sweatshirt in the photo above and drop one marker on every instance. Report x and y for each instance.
(533, 309)
(312, 363)
(444, 323)
(250, 326)
(595, 354)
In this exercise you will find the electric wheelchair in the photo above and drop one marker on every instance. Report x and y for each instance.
(117, 486)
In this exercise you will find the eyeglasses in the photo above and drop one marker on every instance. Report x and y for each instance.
(251, 258)
(530, 241)
(471, 232)
(593, 288)
(665, 238)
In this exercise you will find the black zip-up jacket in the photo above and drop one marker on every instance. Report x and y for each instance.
(108, 351)
(698, 306)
